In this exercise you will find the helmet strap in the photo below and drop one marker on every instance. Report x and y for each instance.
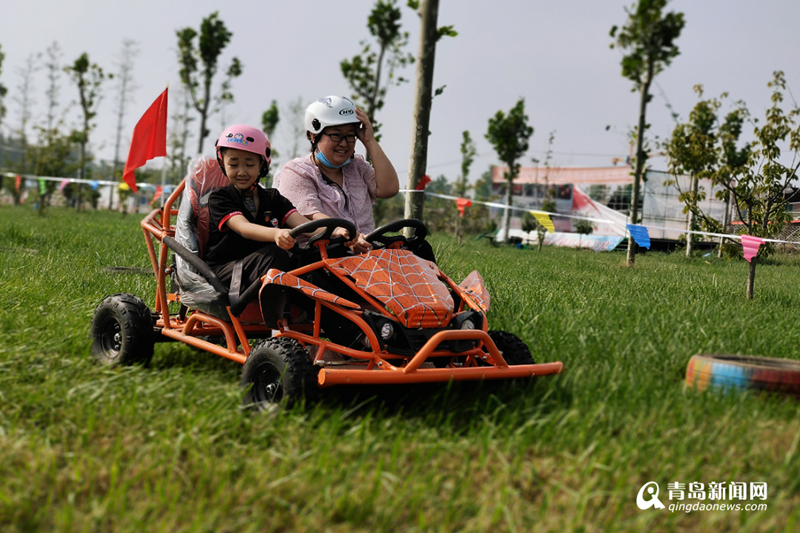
(249, 201)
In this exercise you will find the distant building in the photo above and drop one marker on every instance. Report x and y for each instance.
(604, 193)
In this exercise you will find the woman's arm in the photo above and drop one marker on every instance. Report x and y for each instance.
(386, 181)
(358, 244)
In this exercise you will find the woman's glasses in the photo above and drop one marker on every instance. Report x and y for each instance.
(337, 137)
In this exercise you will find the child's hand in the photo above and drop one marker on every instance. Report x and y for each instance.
(341, 232)
(284, 240)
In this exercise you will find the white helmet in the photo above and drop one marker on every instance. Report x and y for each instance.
(330, 111)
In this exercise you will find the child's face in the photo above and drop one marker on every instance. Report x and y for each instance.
(241, 167)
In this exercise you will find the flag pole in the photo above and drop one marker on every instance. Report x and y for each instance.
(164, 172)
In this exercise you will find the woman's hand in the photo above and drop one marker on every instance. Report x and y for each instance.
(365, 133)
(344, 233)
(284, 240)
(360, 246)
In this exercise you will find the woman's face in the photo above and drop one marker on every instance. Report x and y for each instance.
(338, 152)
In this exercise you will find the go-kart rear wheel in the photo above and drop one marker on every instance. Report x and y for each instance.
(122, 331)
(277, 374)
(514, 351)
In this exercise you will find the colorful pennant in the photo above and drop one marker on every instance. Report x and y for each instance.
(640, 235)
(157, 195)
(63, 184)
(42, 187)
(544, 220)
(751, 245)
(423, 181)
(461, 203)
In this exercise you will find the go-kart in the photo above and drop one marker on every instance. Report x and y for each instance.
(383, 317)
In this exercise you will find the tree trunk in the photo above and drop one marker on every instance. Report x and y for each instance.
(637, 177)
(691, 222)
(82, 159)
(726, 218)
(202, 130)
(751, 277)
(507, 212)
(423, 99)
(204, 114)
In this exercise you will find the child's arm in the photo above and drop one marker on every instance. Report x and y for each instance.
(254, 232)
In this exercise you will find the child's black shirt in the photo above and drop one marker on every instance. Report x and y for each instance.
(225, 245)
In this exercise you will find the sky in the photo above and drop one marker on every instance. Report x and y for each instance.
(555, 55)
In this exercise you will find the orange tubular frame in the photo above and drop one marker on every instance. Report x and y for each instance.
(365, 367)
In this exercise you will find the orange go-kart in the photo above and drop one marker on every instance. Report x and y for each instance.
(384, 317)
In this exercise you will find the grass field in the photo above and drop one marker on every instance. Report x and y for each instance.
(167, 447)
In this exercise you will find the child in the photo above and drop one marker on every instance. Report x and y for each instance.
(249, 224)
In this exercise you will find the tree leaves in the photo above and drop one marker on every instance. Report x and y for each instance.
(213, 37)
(648, 38)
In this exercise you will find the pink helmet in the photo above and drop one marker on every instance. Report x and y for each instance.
(247, 138)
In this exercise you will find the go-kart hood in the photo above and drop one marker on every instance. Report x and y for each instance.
(407, 285)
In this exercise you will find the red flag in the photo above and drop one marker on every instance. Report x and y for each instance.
(149, 139)
(157, 195)
(461, 203)
(424, 180)
(18, 182)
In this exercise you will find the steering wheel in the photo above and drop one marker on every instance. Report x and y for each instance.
(379, 235)
(330, 224)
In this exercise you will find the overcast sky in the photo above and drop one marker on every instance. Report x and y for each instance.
(554, 54)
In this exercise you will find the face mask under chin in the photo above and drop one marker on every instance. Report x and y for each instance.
(324, 160)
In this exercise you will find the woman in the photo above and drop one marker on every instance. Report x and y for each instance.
(332, 182)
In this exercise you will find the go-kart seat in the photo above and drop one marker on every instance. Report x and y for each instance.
(199, 287)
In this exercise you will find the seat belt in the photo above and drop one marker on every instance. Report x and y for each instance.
(236, 283)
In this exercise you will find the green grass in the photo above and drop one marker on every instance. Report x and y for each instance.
(167, 447)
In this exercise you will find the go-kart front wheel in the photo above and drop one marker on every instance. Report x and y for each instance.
(122, 331)
(514, 351)
(278, 373)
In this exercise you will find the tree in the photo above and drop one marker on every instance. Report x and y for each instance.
(25, 101)
(423, 100)
(213, 38)
(365, 72)
(88, 77)
(3, 89)
(441, 212)
(296, 111)
(468, 152)
(649, 40)
(53, 67)
(691, 152)
(269, 121)
(52, 155)
(178, 140)
(509, 135)
(583, 227)
(758, 187)
(698, 148)
(125, 89)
